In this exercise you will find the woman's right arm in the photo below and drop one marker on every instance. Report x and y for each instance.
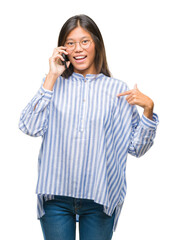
(34, 117)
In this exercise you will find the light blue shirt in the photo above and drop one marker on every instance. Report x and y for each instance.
(87, 133)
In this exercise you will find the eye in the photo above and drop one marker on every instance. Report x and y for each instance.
(70, 43)
(86, 41)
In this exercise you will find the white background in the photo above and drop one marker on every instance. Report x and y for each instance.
(142, 47)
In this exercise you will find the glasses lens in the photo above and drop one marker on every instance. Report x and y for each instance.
(85, 43)
(70, 45)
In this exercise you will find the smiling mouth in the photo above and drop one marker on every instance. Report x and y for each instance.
(80, 58)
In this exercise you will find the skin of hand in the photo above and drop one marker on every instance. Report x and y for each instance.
(55, 61)
(135, 97)
(56, 67)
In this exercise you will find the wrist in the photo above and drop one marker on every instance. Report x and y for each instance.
(52, 76)
(148, 110)
(50, 81)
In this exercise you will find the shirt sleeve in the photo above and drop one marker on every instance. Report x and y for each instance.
(34, 117)
(143, 133)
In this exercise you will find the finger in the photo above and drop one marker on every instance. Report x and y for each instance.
(135, 86)
(131, 101)
(57, 57)
(129, 98)
(58, 50)
(61, 47)
(124, 93)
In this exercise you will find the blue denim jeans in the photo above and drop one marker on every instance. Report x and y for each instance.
(59, 221)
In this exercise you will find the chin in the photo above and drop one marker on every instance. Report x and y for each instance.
(82, 68)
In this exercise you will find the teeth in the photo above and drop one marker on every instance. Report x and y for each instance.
(80, 57)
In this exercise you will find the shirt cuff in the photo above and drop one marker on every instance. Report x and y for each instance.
(45, 93)
(148, 123)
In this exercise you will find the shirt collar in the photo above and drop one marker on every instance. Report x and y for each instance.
(88, 76)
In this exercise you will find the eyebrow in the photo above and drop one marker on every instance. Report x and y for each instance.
(73, 39)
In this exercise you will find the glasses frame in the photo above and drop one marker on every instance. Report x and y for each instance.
(79, 44)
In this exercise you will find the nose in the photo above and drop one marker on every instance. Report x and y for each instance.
(78, 47)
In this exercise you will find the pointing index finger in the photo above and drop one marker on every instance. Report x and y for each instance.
(124, 93)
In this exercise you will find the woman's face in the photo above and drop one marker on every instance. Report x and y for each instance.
(81, 59)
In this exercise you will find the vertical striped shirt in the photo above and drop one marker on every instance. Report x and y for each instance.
(87, 133)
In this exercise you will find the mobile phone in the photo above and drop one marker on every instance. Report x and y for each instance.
(66, 59)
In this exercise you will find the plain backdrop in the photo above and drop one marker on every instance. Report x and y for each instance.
(141, 40)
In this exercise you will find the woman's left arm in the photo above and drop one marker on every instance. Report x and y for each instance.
(144, 129)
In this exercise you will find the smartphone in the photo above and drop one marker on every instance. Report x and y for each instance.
(66, 59)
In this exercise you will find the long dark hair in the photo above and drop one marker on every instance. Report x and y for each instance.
(89, 25)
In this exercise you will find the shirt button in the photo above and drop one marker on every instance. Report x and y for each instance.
(85, 80)
(84, 100)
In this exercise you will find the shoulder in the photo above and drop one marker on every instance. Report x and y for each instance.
(115, 84)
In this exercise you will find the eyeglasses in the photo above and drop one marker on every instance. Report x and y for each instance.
(71, 45)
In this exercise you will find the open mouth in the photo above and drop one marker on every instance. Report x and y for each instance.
(80, 58)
